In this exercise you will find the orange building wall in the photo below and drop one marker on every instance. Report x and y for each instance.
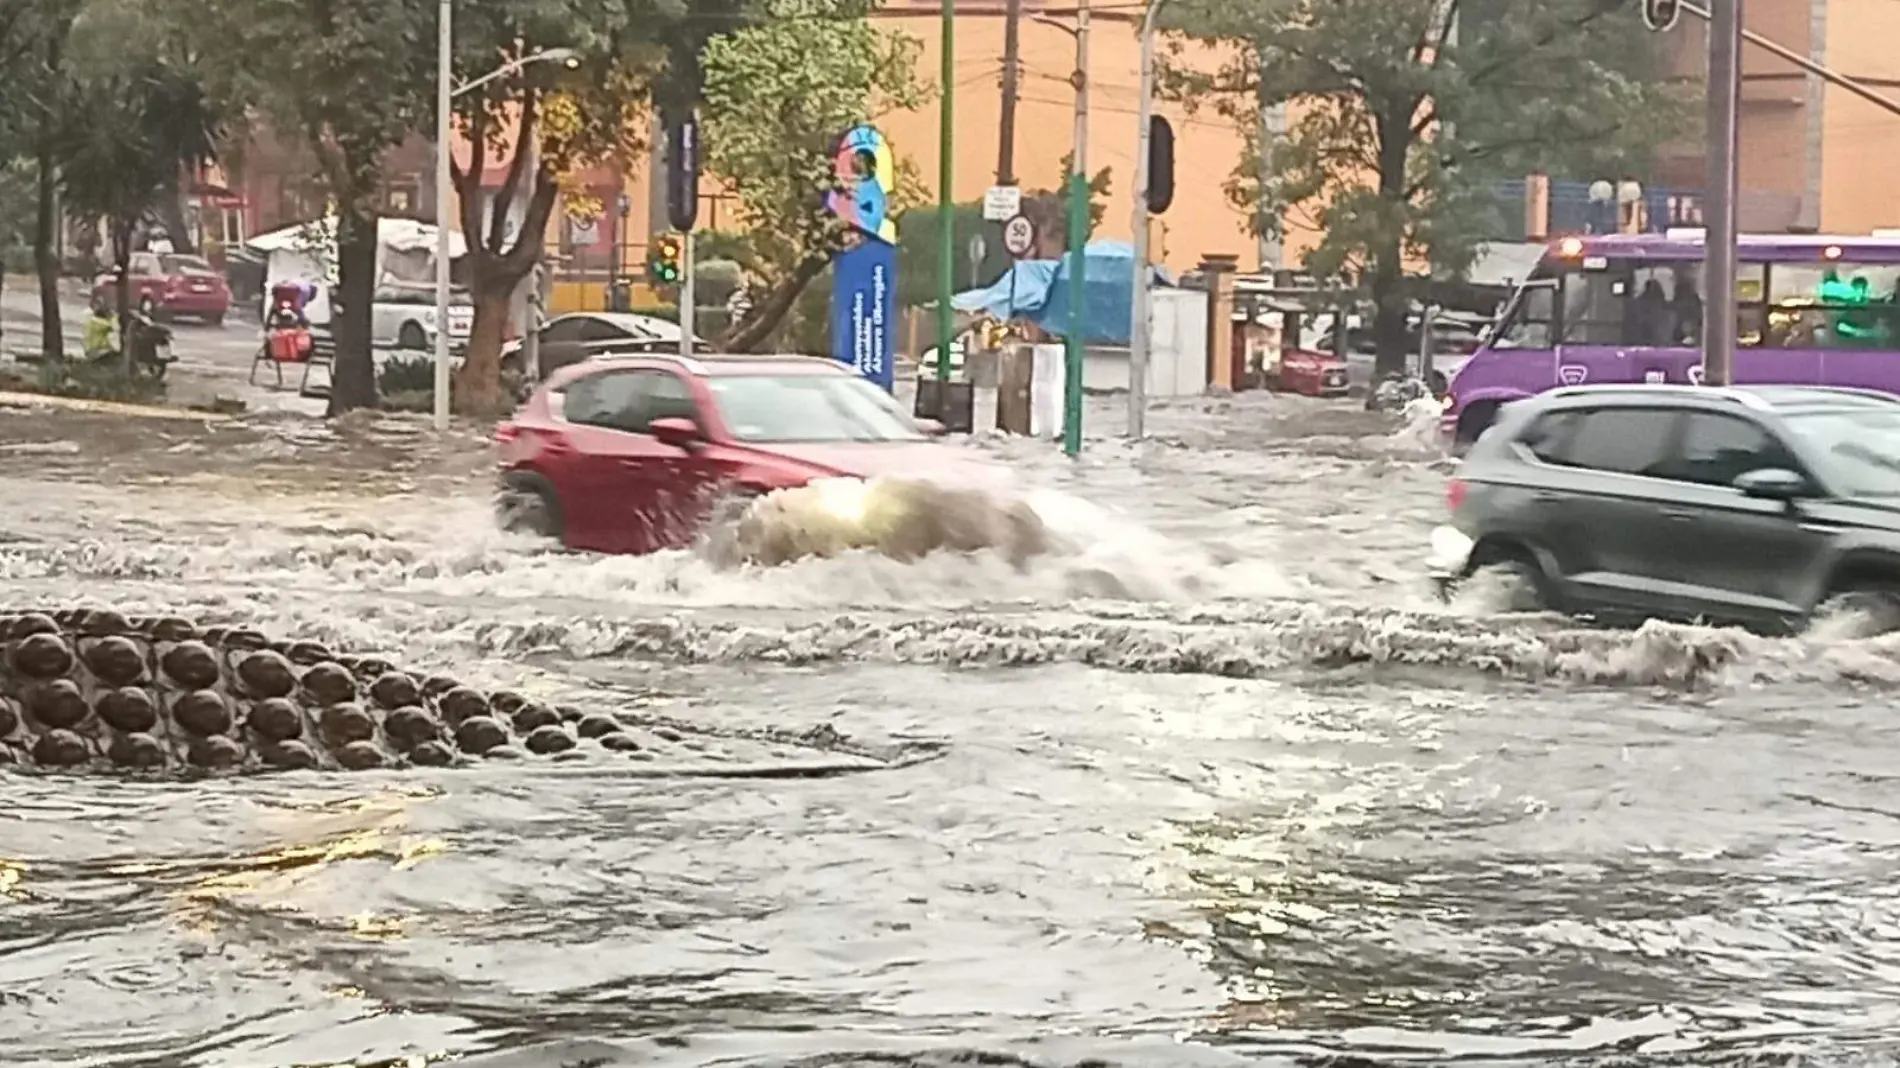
(1200, 221)
(1861, 142)
(1207, 148)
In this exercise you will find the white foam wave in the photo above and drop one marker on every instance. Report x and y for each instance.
(452, 549)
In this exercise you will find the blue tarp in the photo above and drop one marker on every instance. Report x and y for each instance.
(1041, 293)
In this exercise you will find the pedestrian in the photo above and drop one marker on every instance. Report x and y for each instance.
(100, 339)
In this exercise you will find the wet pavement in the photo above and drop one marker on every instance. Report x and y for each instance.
(1223, 785)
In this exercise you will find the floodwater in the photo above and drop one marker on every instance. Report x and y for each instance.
(1220, 785)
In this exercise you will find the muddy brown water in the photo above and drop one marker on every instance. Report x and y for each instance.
(1221, 785)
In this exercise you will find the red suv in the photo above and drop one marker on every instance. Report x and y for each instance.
(635, 454)
(168, 286)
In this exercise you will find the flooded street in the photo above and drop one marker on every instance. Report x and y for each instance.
(1225, 785)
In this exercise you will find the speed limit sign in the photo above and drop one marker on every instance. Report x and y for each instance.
(1019, 236)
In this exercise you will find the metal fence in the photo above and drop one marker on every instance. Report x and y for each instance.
(1573, 210)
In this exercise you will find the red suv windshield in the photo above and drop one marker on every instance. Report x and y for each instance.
(809, 408)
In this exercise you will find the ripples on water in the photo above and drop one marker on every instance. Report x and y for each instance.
(1224, 775)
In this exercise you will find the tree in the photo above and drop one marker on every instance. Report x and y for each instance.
(120, 36)
(777, 98)
(35, 60)
(120, 152)
(1401, 123)
(551, 122)
(1048, 209)
(354, 78)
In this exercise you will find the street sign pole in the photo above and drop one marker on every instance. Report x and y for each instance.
(1724, 89)
(689, 297)
(1019, 240)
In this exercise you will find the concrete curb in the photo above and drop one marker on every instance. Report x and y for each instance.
(98, 407)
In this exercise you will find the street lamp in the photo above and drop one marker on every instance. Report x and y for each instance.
(1072, 341)
(445, 94)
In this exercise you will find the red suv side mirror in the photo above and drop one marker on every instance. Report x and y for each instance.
(674, 431)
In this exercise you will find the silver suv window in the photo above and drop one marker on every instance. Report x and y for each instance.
(1717, 449)
(1625, 441)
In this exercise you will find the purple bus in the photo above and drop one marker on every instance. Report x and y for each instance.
(1812, 310)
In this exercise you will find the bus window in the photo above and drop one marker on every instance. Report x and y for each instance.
(1831, 305)
(1664, 310)
(1751, 281)
(1594, 306)
(1527, 322)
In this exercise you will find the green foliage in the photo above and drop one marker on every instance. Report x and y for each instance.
(777, 97)
(125, 139)
(404, 374)
(714, 281)
(17, 180)
(732, 245)
(1367, 161)
(83, 380)
(352, 77)
(1049, 208)
(33, 46)
(919, 239)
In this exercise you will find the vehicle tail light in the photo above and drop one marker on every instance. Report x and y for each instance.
(506, 433)
(1455, 493)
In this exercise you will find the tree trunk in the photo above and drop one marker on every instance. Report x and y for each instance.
(353, 376)
(45, 250)
(1387, 255)
(122, 289)
(497, 266)
(478, 390)
(757, 325)
(171, 215)
(1389, 304)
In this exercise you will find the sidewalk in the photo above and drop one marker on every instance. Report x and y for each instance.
(130, 411)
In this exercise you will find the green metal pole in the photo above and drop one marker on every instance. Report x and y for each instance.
(946, 215)
(1072, 341)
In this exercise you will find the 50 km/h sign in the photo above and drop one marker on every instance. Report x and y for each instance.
(1019, 236)
(1661, 15)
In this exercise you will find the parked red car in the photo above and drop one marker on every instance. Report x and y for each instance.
(168, 286)
(635, 454)
(1314, 374)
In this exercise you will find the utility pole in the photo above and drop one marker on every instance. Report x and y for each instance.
(531, 313)
(1006, 126)
(1724, 89)
(444, 93)
(1075, 343)
(946, 176)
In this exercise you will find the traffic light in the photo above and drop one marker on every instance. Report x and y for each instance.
(664, 267)
(682, 173)
(1160, 164)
